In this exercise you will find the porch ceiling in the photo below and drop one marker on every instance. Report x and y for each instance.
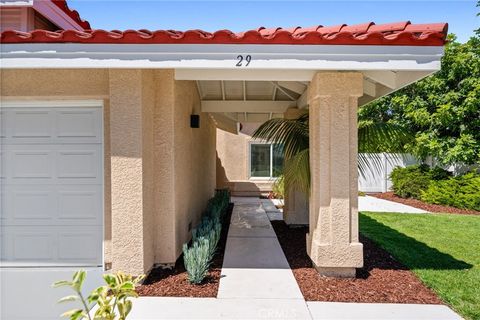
(249, 101)
(259, 101)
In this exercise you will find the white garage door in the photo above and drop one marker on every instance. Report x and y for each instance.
(52, 185)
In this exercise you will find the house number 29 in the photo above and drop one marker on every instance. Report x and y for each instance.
(243, 61)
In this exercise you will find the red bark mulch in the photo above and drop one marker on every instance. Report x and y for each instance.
(381, 280)
(437, 208)
(173, 282)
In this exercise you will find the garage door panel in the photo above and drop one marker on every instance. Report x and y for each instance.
(25, 245)
(78, 163)
(76, 245)
(2, 165)
(78, 205)
(26, 164)
(31, 205)
(32, 246)
(30, 124)
(52, 205)
(52, 125)
(3, 129)
(53, 164)
(51, 246)
(79, 126)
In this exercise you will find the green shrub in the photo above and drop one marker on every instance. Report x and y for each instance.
(209, 229)
(205, 237)
(197, 260)
(217, 206)
(460, 192)
(408, 182)
(438, 173)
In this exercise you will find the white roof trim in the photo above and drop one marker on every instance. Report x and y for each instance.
(218, 56)
(16, 3)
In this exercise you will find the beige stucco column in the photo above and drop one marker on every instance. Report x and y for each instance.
(295, 211)
(131, 142)
(332, 242)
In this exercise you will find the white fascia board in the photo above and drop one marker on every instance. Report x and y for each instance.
(55, 15)
(218, 56)
(16, 3)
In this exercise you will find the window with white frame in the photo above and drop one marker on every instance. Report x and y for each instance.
(266, 160)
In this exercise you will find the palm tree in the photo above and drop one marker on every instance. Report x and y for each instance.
(293, 135)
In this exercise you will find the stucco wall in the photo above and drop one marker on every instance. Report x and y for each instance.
(149, 205)
(164, 171)
(233, 166)
(194, 160)
(159, 172)
(128, 188)
(184, 164)
(55, 84)
(232, 157)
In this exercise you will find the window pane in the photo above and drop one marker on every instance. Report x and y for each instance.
(260, 160)
(277, 160)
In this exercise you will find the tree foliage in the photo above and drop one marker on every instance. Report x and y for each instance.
(441, 111)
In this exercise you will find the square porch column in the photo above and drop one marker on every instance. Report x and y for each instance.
(332, 242)
(131, 143)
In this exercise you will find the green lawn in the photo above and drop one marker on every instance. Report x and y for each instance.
(443, 250)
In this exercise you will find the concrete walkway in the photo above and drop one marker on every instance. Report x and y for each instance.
(257, 283)
(379, 311)
(254, 265)
(149, 308)
(368, 203)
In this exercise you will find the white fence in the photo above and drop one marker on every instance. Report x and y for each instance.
(378, 167)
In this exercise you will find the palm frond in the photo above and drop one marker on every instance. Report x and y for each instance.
(382, 137)
(291, 133)
(367, 160)
(296, 171)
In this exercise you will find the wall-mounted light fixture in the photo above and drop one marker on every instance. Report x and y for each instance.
(194, 121)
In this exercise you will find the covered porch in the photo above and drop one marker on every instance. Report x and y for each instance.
(330, 83)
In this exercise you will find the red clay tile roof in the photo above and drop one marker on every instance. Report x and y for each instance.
(399, 33)
(62, 4)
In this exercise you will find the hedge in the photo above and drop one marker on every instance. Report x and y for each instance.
(437, 186)
(409, 182)
(459, 192)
